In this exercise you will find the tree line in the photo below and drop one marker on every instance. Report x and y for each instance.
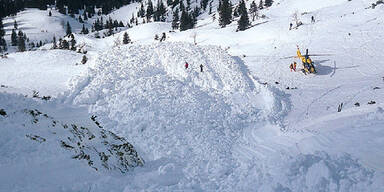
(11, 7)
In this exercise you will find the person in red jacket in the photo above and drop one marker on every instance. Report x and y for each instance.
(186, 65)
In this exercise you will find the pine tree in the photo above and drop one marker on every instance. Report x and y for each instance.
(268, 3)
(60, 7)
(225, 13)
(242, 9)
(253, 10)
(243, 22)
(203, 4)
(15, 25)
(54, 43)
(21, 41)
(13, 38)
(126, 38)
(80, 19)
(141, 12)
(176, 19)
(210, 8)
(64, 44)
(188, 5)
(149, 10)
(159, 15)
(73, 44)
(261, 5)
(83, 30)
(182, 7)
(69, 30)
(3, 44)
(185, 21)
(2, 31)
(85, 16)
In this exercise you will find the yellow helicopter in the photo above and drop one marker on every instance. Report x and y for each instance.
(308, 65)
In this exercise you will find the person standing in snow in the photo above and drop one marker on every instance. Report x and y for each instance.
(162, 37)
(201, 68)
(290, 26)
(186, 65)
(313, 19)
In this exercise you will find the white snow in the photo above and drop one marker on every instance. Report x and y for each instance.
(234, 127)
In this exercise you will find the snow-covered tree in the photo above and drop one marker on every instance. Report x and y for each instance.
(21, 41)
(126, 38)
(176, 19)
(253, 10)
(141, 12)
(149, 12)
(261, 5)
(13, 38)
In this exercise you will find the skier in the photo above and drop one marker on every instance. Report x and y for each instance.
(290, 26)
(162, 37)
(186, 65)
(313, 19)
(201, 68)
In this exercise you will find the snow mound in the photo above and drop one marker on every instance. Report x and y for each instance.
(144, 93)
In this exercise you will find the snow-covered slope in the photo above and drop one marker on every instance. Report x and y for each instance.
(185, 117)
(45, 71)
(40, 152)
(244, 124)
(39, 26)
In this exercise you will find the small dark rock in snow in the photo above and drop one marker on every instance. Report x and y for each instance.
(2, 112)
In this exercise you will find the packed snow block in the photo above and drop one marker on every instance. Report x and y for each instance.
(102, 150)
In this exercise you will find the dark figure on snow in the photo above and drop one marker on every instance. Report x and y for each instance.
(313, 19)
(162, 37)
(186, 65)
(290, 26)
(201, 68)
